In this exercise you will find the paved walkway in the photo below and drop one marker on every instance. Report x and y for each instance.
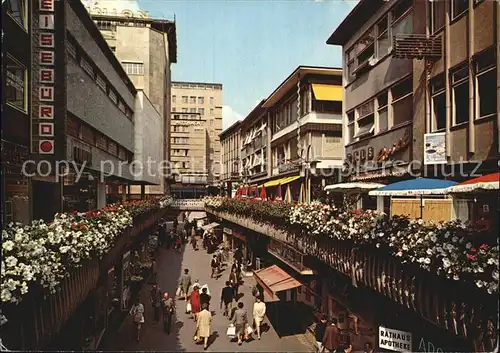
(170, 264)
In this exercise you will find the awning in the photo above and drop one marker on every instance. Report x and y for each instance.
(353, 187)
(210, 226)
(483, 183)
(414, 187)
(273, 279)
(281, 181)
(324, 92)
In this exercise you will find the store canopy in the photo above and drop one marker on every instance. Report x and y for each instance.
(327, 92)
(353, 187)
(273, 279)
(210, 226)
(483, 183)
(281, 181)
(414, 187)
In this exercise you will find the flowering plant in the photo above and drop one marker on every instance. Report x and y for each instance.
(450, 249)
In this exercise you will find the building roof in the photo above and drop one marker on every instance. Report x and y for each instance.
(165, 26)
(230, 129)
(354, 20)
(196, 83)
(89, 24)
(254, 114)
(291, 81)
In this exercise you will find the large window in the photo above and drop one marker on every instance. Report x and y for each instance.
(366, 120)
(201, 100)
(201, 111)
(133, 68)
(402, 101)
(458, 7)
(486, 83)
(437, 14)
(16, 82)
(438, 103)
(382, 112)
(192, 100)
(460, 95)
(350, 126)
(383, 41)
(17, 9)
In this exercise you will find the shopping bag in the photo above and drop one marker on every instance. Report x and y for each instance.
(178, 291)
(231, 331)
(249, 330)
(188, 308)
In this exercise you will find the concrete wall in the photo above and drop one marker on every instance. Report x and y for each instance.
(148, 138)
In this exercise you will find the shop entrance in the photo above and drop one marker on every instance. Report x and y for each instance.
(46, 200)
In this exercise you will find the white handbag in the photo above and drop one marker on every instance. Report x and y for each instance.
(178, 291)
(249, 330)
(188, 307)
(231, 331)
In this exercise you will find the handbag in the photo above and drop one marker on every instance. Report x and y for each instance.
(178, 291)
(249, 330)
(188, 307)
(231, 331)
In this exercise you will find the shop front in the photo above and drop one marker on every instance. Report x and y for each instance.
(80, 191)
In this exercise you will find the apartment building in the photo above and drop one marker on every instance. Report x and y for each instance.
(204, 99)
(304, 129)
(146, 48)
(421, 88)
(230, 159)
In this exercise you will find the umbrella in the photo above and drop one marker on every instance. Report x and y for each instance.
(302, 195)
(288, 194)
(414, 187)
(485, 182)
(279, 197)
(263, 194)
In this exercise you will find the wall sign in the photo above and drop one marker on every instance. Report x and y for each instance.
(115, 12)
(42, 124)
(394, 340)
(435, 148)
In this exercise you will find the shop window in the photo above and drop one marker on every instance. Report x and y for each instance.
(16, 84)
(486, 84)
(17, 9)
(382, 112)
(437, 15)
(383, 41)
(460, 95)
(458, 7)
(438, 103)
(402, 101)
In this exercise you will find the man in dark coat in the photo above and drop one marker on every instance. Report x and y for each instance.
(319, 332)
(204, 297)
(331, 339)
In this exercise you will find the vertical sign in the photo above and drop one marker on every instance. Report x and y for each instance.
(42, 125)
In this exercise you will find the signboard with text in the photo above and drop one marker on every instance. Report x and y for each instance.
(394, 340)
(435, 148)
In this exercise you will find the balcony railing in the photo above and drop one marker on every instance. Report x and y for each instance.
(188, 204)
(417, 46)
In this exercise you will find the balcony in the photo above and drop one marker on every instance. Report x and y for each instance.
(188, 205)
(417, 46)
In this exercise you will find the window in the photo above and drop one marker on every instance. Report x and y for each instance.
(383, 42)
(201, 111)
(192, 100)
(365, 109)
(177, 116)
(106, 25)
(16, 82)
(113, 96)
(121, 106)
(201, 100)
(400, 9)
(174, 109)
(211, 111)
(211, 100)
(460, 95)
(192, 110)
(351, 63)
(87, 67)
(402, 101)
(438, 103)
(366, 126)
(280, 155)
(113, 49)
(17, 9)
(437, 15)
(71, 49)
(184, 110)
(458, 7)
(184, 99)
(133, 68)
(403, 25)
(101, 82)
(382, 112)
(174, 98)
(366, 49)
(486, 83)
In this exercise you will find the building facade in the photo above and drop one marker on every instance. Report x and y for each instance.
(204, 99)
(146, 48)
(230, 158)
(304, 125)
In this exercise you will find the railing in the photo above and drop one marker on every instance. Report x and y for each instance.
(188, 204)
(417, 46)
(454, 306)
(40, 316)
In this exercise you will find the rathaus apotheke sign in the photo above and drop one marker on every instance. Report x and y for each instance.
(93, 10)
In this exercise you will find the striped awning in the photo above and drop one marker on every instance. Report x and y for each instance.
(281, 181)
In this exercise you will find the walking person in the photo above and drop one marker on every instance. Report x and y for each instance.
(168, 307)
(204, 297)
(215, 267)
(185, 283)
(233, 280)
(203, 324)
(195, 302)
(240, 321)
(194, 241)
(137, 313)
(331, 338)
(238, 254)
(259, 312)
(226, 298)
(319, 332)
(156, 297)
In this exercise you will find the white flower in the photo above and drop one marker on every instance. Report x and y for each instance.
(8, 245)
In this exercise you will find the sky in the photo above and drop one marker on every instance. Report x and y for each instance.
(250, 46)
